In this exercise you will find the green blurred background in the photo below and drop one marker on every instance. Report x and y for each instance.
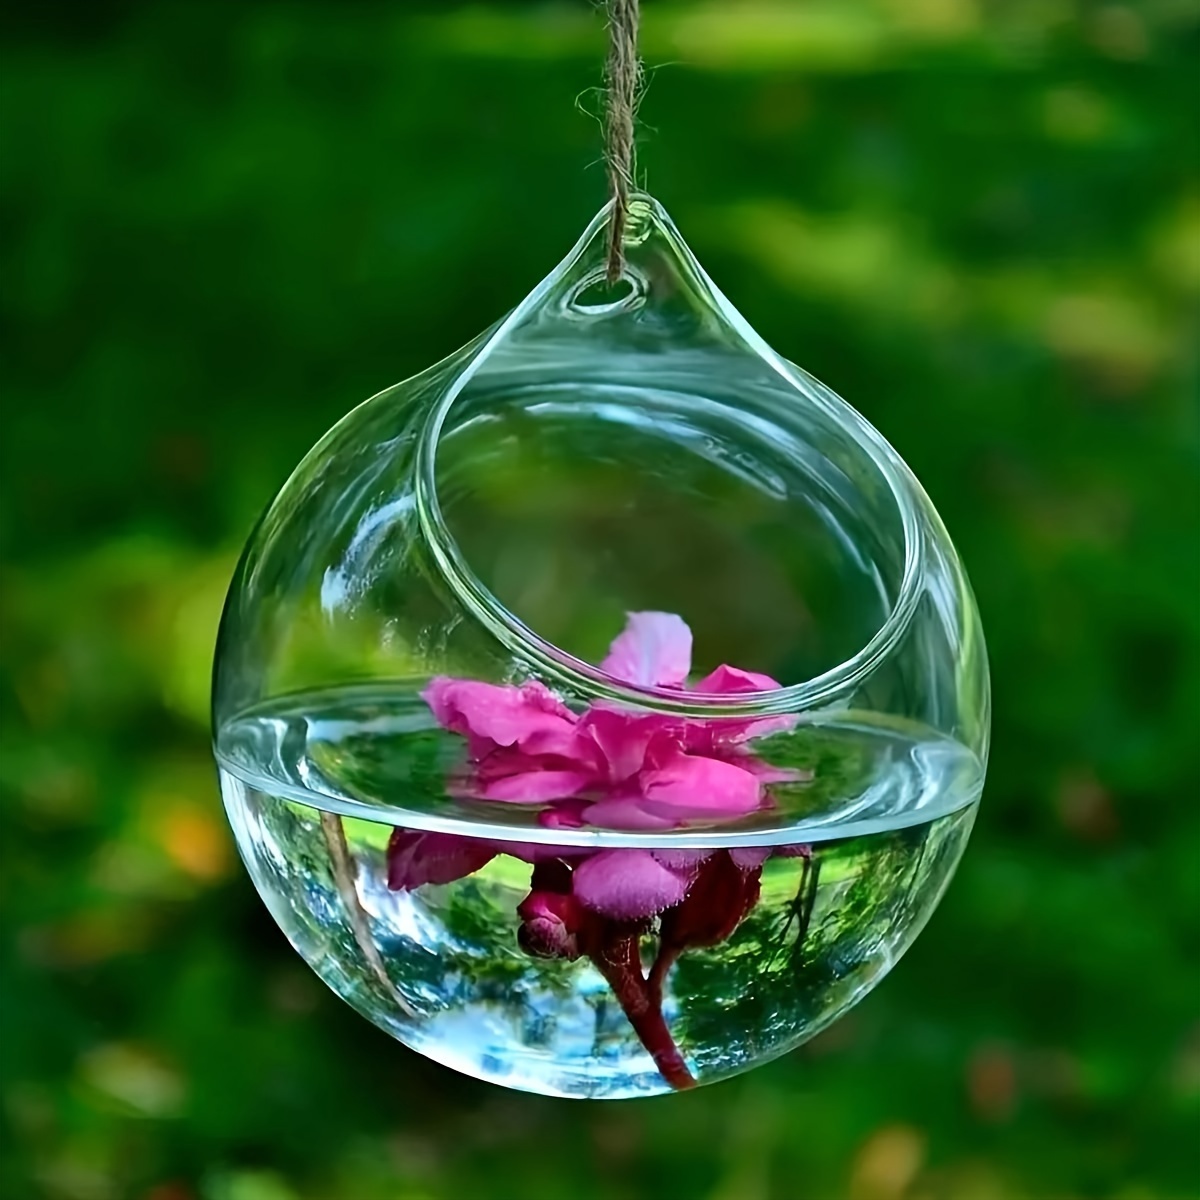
(226, 224)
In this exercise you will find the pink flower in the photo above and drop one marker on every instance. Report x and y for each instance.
(616, 768)
(609, 767)
(601, 907)
(639, 770)
(530, 717)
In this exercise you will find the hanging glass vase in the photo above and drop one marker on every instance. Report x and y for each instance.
(604, 710)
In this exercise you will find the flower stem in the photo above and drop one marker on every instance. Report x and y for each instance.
(620, 967)
(658, 971)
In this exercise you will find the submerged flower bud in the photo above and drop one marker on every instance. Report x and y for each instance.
(549, 924)
(721, 895)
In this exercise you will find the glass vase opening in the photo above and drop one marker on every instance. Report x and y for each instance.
(565, 505)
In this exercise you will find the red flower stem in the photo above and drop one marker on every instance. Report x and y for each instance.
(667, 955)
(645, 1015)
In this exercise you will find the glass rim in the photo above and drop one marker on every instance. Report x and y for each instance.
(587, 680)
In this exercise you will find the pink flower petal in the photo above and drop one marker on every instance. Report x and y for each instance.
(562, 742)
(801, 850)
(766, 773)
(535, 786)
(415, 858)
(566, 814)
(654, 650)
(717, 735)
(509, 760)
(727, 680)
(688, 785)
(627, 885)
(505, 716)
(622, 737)
(626, 813)
(683, 860)
(732, 681)
(746, 858)
(535, 852)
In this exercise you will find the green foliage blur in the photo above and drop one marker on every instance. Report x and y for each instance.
(226, 224)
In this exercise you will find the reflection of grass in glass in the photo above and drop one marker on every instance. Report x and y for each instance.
(408, 770)
(839, 770)
(479, 914)
(367, 835)
(808, 947)
(506, 871)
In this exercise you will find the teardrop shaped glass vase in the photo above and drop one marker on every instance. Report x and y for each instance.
(604, 710)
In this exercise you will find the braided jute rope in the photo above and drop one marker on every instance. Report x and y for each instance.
(623, 80)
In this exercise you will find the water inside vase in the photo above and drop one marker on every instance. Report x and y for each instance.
(782, 930)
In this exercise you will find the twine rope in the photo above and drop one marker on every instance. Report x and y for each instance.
(623, 82)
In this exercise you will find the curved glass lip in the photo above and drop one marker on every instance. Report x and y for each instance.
(584, 678)
(836, 824)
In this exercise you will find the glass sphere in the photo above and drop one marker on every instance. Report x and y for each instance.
(604, 710)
